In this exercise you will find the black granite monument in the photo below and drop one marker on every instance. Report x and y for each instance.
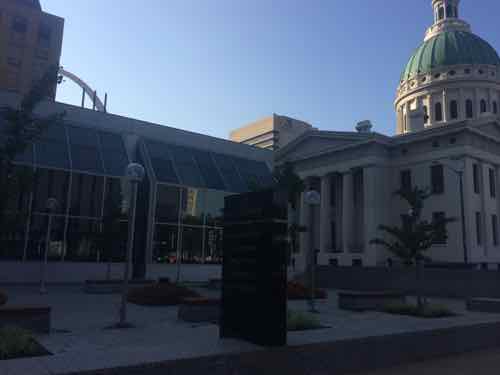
(254, 269)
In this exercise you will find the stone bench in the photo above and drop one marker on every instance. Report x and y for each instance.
(111, 286)
(199, 310)
(368, 301)
(486, 305)
(32, 318)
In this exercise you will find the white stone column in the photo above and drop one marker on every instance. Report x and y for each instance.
(461, 104)
(347, 210)
(484, 196)
(372, 215)
(325, 215)
(445, 106)
(477, 106)
(304, 222)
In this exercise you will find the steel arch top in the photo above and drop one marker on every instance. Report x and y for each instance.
(92, 94)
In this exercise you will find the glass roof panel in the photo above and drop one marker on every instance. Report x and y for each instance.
(85, 151)
(230, 174)
(256, 174)
(50, 153)
(113, 153)
(186, 166)
(208, 170)
(161, 161)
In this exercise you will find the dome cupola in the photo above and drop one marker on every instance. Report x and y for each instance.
(451, 76)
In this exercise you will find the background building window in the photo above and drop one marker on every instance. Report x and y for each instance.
(441, 13)
(493, 190)
(406, 180)
(438, 112)
(494, 229)
(483, 106)
(469, 109)
(454, 109)
(438, 217)
(20, 25)
(426, 115)
(437, 179)
(475, 175)
(495, 107)
(478, 228)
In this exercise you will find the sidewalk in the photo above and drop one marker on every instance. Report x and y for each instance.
(477, 363)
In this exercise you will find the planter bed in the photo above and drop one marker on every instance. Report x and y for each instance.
(111, 286)
(32, 318)
(199, 310)
(369, 301)
(485, 305)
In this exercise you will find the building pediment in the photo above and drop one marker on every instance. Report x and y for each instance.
(318, 142)
(491, 129)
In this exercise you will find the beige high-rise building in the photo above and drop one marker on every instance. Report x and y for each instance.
(271, 132)
(30, 42)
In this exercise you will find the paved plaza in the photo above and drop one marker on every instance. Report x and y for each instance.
(80, 340)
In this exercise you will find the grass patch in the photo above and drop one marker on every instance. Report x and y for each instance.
(164, 294)
(429, 311)
(300, 321)
(19, 343)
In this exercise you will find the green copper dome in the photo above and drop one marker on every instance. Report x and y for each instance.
(450, 48)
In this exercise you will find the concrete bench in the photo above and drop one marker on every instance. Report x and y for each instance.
(32, 318)
(486, 305)
(111, 286)
(199, 310)
(366, 301)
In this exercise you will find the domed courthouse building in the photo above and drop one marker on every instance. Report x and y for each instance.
(447, 105)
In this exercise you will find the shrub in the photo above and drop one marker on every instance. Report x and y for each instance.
(3, 298)
(18, 343)
(299, 321)
(297, 291)
(162, 294)
(429, 311)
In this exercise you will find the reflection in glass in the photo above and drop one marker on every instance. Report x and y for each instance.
(192, 238)
(50, 183)
(193, 204)
(165, 243)
(37, 238)
(86, 195)
(167, 206)
(82, 240)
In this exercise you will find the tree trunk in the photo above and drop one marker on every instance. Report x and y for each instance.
(420, 299)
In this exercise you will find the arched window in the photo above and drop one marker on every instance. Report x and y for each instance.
(469, 109)
(441, 13)
(483, 106)
(449, 11)
(426, 115)
(495, 107)
(438, 112)
(454, 109)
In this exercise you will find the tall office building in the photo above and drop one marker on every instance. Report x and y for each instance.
(271, 133)
(30, 42)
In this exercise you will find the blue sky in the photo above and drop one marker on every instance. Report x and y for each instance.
(210, 66)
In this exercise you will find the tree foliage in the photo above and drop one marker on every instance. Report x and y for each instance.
(415, 236)
(19, 127)
(288, 181)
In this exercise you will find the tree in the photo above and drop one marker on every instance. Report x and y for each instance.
(19, 128)
(289, 182)
(109, 237)
(415, 236)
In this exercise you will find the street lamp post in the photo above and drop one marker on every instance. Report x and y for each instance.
(460, 173)
(312, 199)
(134, 174)
(51, 206)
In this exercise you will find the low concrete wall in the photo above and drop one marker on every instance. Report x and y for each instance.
(337, 357)
(77, 273)
(435, 282)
